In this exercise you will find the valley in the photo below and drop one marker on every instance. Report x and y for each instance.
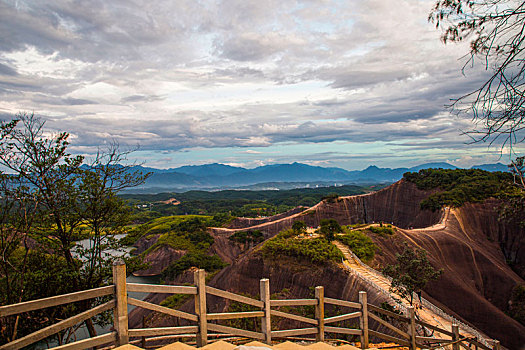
(468, 242)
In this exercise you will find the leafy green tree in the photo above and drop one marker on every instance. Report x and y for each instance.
(329, 227)
(64, 198)
(411, 273)
(299, 226)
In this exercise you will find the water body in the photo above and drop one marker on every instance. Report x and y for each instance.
(82, 332)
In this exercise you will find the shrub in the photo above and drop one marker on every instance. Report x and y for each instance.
(254, 236)
(387, 230)
(317, 250)
(360, 244)
(210, 263)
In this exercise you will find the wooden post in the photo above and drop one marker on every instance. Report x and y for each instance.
(266, 323)
(120, 313)
(455, 336)
(319, 312)
(412, 327)
(200, 307)
(363, 320)
(496, 345)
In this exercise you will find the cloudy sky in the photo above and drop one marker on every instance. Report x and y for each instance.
(345, 83)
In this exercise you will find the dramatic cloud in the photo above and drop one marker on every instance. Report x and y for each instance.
(326, 82)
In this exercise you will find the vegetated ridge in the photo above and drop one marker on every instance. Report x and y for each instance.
(471, 246)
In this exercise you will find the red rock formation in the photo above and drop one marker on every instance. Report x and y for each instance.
(159, 259)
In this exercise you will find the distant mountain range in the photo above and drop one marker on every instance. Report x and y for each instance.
(220, 176)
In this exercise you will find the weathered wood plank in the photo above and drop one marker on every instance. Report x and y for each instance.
(387, 313)
(162, 309)
(148, 332)
(231, 315)
(293, 302)
(319, 313)
(363, 320)
(233, 296)
(293, 332)
(199, 278)
(120, 313)
(434, 340)
(235, 331)
(293, 317)
(389, 326)
(26, 306)
(342, 303)
(440, 330)
(266, 322)
(389, 338)
(343, 317)
(342, 330)
(89, 342)
(57, 327)
(154, 288)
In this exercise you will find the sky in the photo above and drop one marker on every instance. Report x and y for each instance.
(344, 83)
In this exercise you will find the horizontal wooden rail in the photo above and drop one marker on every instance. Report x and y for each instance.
(293, 332)
(232, 315)
(342, 330)
(235, 331)
(342, 303)
(148, 332)
(434, 340)
(389, 326)
(56, 300)
(478, 344)
(89, 342)
(440, 330)
(387, 313)
(293, 302)
(344, 317)
(233, 296)
(162, 309)
(155, 288)
(389, 338)
(294, 317)
(57, 327)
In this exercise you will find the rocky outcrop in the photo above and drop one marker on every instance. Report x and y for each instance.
(242, 222)
(398, 203)
(160, 258)
(144, 243)
(476, 283)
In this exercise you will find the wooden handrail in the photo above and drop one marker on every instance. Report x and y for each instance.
(43, 303)
(365, 311)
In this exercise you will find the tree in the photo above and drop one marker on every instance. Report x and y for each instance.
(329, 227)
(496, 30)
(62, 200)
(299, 227)
(411, 273)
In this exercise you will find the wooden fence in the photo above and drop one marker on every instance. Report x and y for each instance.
(319, 325)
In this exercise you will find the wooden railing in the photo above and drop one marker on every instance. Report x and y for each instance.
(404, 327)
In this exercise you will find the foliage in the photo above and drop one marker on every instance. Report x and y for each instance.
(229, 203)
(411, 273)
(495, 31)
(317, 250)
(175, 301)
(459, 186)
(250, 323)
(517, 303)
(329, 227)
(299, 226)
(517, 169)
(330, 198)
(59, 199)
(360, 244)
(250, 236)
(196, 259)
(387, 230)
